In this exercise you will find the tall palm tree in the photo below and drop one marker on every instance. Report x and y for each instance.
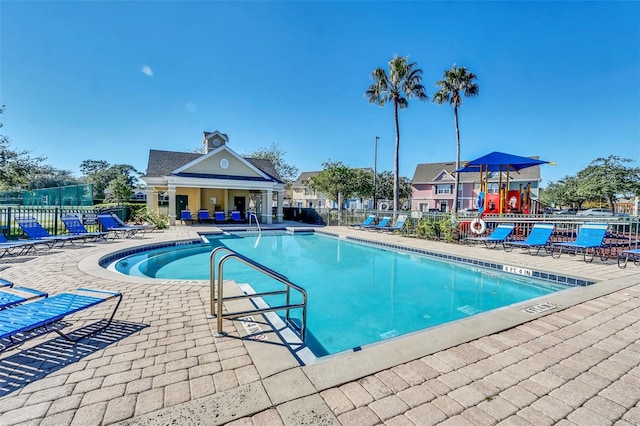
(455, 82)
(403, 82)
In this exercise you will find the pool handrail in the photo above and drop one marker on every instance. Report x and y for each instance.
(217, 313)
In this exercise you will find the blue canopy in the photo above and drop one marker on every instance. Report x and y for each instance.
(499, 161)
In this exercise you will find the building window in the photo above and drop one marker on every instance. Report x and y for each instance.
(443, 206)
(493, 188)
(423, 207)
(443, 189)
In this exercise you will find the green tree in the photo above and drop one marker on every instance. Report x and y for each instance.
(335, 179)
(403, 82)
(455, 83)
(15, 166)
(384, 185)
(118, 190)
(100, 173)
(564, 193)
(46, 176)
(609, 178)
(286, 171)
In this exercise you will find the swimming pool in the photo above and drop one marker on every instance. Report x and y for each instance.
(357, 294)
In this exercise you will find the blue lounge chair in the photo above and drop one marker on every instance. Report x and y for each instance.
(400, 221)
(18, 247)
(368, 221)
(138, 228)
(110, 225)
(383, 222)
(538, 238)
(499, 235)
(220, 217)
(590, 241)
(628, 255)
(17, 322)
(185, 216)
(235, 216)
(35, 231)
(17, 295)
(75, 227)
(203, 216)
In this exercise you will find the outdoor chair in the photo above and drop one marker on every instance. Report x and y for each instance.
(538, 238)
(400, 221)
(142, 228)
(368, 221)
(499, 235)
(26, 320)
(628, 255)
(203, 216)
(75, 227)
(235, 216)
(11, 296)
(185, 216)
(35, 231)
(110, 225)
(19, 247)
(383, 222)
(220, 217)
(590, 241)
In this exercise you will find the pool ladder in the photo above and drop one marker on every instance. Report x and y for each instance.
(251, 216)
(217, 297)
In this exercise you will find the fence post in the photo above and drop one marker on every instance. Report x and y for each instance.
(9, 222)
(55, 222)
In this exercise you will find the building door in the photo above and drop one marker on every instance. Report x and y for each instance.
(182, 203)
(239, 205)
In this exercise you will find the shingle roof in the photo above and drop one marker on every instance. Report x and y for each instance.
(163, 163)
(427, 173)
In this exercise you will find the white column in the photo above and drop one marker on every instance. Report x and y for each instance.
(172, 205)
(152, 200)
(269, 209)
(280, 204)
(264, 216)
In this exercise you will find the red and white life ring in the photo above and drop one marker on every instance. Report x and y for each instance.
(478, 226)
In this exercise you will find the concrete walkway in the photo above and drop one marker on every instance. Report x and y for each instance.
(159, 363)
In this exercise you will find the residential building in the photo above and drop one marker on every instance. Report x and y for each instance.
(433, 186)
(303, 196)
(217, 180)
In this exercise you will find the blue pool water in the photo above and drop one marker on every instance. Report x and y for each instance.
(357, 294)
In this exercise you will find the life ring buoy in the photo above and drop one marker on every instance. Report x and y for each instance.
(478, 226)
(383, 205)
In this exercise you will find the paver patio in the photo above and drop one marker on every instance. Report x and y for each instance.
(160, 364)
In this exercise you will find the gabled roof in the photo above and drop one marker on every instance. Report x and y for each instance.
(164, 163)
(429, 172)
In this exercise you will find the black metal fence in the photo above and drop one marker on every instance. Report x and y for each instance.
(623, 232)
(50, 218)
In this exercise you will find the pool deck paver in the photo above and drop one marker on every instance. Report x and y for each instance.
(159, 362)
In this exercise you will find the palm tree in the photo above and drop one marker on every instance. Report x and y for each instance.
(403, 82)
(456, 81)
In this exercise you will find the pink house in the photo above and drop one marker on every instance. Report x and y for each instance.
(433, 186)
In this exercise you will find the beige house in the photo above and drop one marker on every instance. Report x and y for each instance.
(304, 196)
(218, 180)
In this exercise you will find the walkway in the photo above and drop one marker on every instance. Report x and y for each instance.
(159, 364)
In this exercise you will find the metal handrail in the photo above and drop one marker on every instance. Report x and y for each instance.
(252, 214)
(217, 313)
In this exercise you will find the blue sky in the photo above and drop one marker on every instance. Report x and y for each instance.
(111, 80)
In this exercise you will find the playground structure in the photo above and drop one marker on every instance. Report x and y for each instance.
(505, 200)
(510, 201)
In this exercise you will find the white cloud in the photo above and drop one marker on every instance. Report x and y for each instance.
(146, 70)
